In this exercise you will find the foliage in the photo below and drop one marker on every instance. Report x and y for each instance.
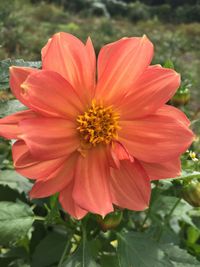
(16, 220)
(167, 10)
(142, 250)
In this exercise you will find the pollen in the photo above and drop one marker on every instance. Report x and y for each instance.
(98, 125)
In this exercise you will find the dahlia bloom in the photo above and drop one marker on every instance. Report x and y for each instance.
(97, 137)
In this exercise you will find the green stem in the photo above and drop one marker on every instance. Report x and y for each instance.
(64, 252)
(39, 218)
(168, 219)
(150, 207)
(84, 236)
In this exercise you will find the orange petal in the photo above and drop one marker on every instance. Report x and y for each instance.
(121, 152)
(150, 92)
(50, 94)
(176, 113)
(68, 56)
(158, 137)
(92, 56)
(91, 189)
(130, 186)
(17, 76)
(169, 169)
(69, 205)
(45, 49)
(49, 138)
(116, 153)
(57, 181)
(30, 167)
(120, 65)
(9, 127)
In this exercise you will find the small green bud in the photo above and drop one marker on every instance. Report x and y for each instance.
(182, 97)
(53, 217)
(111, 221)
(191, 193)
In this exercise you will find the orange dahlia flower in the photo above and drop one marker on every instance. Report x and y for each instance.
(96, 141)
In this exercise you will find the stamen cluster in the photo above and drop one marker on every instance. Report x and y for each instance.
(98, 124)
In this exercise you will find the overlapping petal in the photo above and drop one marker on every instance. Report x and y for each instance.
(130, 186)
(151, 91)
(167, 110)
(68, 56)
(49, 138)
(120, 64)
(9, 125)
(50, 94)
(68, 203)
(56, 181)
(117, 152)
(17, 76)
(163, 170)
(156, 138)
(29, 166)
(91, 187)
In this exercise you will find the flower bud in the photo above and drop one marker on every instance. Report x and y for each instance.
(191, 193)
(181, 98)
(111, 221)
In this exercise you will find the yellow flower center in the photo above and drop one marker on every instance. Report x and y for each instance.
(98, 124)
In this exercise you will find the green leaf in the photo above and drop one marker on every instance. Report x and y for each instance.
(5, 262)
(109, 261)
(193, 235)
(82, 257)
(8, 258)
(192, 175)
(179, 257)
(8, 194)
(163, 205)
(139, 250)
(16, 220)
(4, 69)
(49, 250)
(15, 181)
(9, 107)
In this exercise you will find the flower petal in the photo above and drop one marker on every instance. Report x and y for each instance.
(120, 65)
(45, 49)
(68, 56)
(17, 76)
(121, 152)
(156, 138)
(130, 186)
(57, 181)
(91, 189)
(49, 138)
(176, 113)
(9, 127)
(68, 203)
(30, 167)
(150, 92)
(50, 94)
(169, 169)
(92, 56)
(117, 152)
